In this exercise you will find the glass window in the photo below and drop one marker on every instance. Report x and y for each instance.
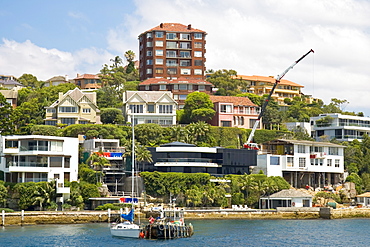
(289, 161)
(159, 52)
(171, 62)
(198, 63)
(302, 162)
(86, 110)
(159, 61)
(159, 34)
(183, 86)
(274, 161)
(67, 162)
(56, 146)
(301, 149)
(182, 97)
(185, 36)
(149, 71)
(136, 108)
(184, 62)
(149, 44)
(11, 144)
(198, 35)
(201, 88)
(55, 161)
(172, 71)
(170, 35)
(185, 71)
(198, 72)
(171, 54)
(149, 62)
(198, 45)
(185, 45)
(197, 54)
(68, 121)
(225, 123)
(149, 53)
(50, 110)
(185, 54)
(333, 151)
(148, 35)
(151, 108)
(165, 109)
(337, 163)
(158, 71)
(162, 87)
(171, 45)
(159, 43)
(226, 108)
(67, 109)
(176, 97)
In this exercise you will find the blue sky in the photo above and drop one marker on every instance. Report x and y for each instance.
(254, 37)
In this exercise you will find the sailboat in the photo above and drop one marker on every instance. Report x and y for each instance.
(128, 229)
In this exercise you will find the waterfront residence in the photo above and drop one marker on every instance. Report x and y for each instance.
(57, 80)
(341, 127)
(234, 111)
(73, 107)
(172, 50)
(114, 174)
(286, 198)
(188, 158)
(11, 96)
(150, 107)
(302, 163)
(36, 158)
(179, 87)
(363, 199)
(88, 81)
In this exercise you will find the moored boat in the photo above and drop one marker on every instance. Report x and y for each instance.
(127, 229)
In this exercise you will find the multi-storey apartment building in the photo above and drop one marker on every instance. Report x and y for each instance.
(302, 163)
(88, 81)
(234, 111)
(180, 87)
(150, 107)
(172, 50)
(73, 107)
(341, 127)
(261, 85)
(35, 158)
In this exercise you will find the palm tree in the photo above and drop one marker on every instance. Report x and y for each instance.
(143, 155)
(44, 194)
(130, 56)
(98, 161)
(116, 61)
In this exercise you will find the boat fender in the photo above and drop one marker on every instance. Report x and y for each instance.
(293, 204)
(161, 227)
(141, 235)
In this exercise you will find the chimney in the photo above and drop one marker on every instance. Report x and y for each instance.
(161, 25)
(189, 26)
(66, 78)
(60, 95)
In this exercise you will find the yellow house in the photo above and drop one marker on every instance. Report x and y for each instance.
(261, 85)
(73, 107)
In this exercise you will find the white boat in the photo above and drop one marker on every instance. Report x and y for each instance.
(128, 229)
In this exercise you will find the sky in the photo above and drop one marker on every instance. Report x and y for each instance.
(253, 37)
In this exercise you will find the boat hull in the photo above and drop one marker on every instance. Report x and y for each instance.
(125, 231)
(167, 231)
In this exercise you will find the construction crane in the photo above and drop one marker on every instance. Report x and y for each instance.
(254, 146)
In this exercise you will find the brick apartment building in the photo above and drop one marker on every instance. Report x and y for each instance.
(172, 50)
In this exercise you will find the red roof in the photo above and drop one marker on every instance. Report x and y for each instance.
(175, 27)
(86, 76)
(266, 79)
(232, 99)
(180, 80)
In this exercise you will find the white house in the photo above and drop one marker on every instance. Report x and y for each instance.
(36, 158)
(340, 127)
(150, 107)
(302, 163)
(363, 199)
(286, 198)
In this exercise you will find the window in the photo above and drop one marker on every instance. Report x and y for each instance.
(190, 87)
(149, 53)
(198, 45)
(149, 62)
(329, 162)
(333, 151)
(149, 71)
(147, 87)
(11, 144)
(149, 44)
(170, 53)
(301, 149)
(183, 86)
(86, 110)
(185, 36)
(55, 161)
(171, 62)
(50, 110)
(302, 162)
(198, 72)
(158, 71)
(182, 97)
(184, 62)
(68, 121)
(172, 71)
(226, 108)
(148, 35)
(185, 71)
(159, 52)
(136, 108)
(83, 122)
(165, 109)
(274, 161)
(171, 45)
(198, 36)
(185, 45)
(56, 176)
(316, 149)
(289, 161)
(150, 108)
(198, 63)
(159, 61)
(159, 43)
(159, 34)
(170, 35)
(337, 163)
(197, 54)
(67, 162)
(176, 97)
(67, 109)
(225, 123)
(162, 87)
(185, 54)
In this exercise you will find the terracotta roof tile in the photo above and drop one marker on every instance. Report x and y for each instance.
(267, 79)
(175, 27)
(245, 101)
(86, 76)
(179, 80)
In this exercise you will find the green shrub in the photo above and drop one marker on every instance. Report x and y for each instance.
(7, 210)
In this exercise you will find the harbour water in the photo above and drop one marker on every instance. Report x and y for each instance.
(342, 232)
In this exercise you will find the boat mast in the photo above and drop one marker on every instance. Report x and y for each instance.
(133, 159)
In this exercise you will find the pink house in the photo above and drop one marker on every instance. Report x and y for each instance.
(234, 111)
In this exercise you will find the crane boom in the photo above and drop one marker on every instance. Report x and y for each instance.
(265, 103)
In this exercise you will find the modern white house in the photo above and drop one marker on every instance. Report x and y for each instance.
(114, 175)
(150, 107)
(302, 163)
(36, 158)
(341, 127)
(286, 198)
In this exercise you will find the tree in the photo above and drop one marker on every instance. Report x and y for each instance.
(97, 160)
(6, 112)
(29, 80)
(143, 155)
(227, 82)
(3, 193)
(44, 194)
(111, 116)
(116, 61)
(196, 101)
(130, 56)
